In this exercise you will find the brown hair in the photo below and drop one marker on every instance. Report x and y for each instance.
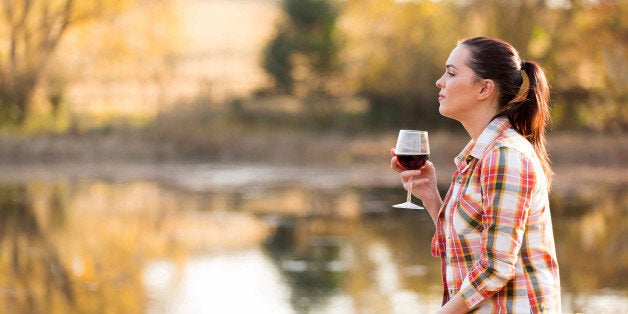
(525, 105)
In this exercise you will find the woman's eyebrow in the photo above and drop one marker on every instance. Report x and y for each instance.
(451, 66)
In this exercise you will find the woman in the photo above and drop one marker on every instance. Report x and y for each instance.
(493, 229)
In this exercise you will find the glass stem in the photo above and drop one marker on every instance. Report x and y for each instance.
(409, 199)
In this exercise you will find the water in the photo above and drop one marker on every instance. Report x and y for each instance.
(259, 239)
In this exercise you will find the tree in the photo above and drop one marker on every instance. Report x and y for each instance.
(31, 31)
(305, 49)
(590, 63)
(277, 62)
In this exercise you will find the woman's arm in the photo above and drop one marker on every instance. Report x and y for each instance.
(507, 179)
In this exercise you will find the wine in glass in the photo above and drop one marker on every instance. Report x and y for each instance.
(412, 151)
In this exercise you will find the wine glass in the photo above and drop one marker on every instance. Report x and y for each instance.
(412, 151)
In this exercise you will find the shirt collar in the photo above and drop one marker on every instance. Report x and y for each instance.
(493, 130)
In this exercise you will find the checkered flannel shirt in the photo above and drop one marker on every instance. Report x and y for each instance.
(494, 231)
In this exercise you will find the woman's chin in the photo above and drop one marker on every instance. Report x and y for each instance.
(443, 111)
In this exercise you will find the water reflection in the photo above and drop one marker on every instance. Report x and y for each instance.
(236, 282)
(149, 246)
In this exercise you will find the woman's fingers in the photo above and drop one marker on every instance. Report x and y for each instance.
(416, 184)
(394, 164)
(405, 175)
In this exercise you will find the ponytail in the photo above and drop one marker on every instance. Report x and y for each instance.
(529, 111)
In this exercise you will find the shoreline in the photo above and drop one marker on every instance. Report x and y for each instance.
(221, 175)
(281, 147)
(578, 164)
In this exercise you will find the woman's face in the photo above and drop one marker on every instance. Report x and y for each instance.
(458, 87)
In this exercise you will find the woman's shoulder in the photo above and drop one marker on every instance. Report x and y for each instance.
(514, 141)
(514, 154)
(509, 148)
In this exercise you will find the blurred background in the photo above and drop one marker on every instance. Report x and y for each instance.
(232, 156)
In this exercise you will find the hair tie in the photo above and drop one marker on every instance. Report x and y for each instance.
(525, 84)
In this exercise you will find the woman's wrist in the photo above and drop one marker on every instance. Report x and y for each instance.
(433, 205)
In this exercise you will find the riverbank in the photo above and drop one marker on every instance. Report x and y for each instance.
(578, 161)
(290, 147)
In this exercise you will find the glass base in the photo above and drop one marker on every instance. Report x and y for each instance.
(408, 205)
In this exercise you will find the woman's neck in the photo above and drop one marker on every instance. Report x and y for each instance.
(476, 122)
(476, 125)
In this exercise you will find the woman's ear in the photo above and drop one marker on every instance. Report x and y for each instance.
(487, 88)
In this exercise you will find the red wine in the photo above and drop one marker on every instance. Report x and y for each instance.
(412, 162)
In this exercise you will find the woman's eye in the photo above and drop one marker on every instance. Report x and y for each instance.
(450, 74)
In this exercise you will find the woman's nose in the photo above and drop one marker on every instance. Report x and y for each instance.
(438, 83)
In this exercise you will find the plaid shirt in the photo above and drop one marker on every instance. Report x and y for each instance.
(494, 230)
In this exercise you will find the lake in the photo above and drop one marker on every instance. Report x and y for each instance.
(241, 238)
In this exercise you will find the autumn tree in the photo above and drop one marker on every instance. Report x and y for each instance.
(589, 63)
(30, 31)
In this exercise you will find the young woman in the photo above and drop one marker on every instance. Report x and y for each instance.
(493, 229)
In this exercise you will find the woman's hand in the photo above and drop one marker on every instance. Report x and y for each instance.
(394, 164)
(424, 185)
